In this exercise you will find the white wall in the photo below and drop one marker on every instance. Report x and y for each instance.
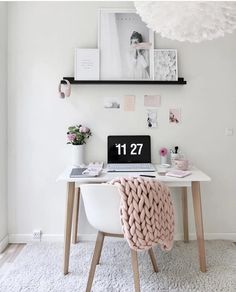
(3, 125)
(42, 38)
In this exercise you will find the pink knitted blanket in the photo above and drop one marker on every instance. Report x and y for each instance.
(147, 213)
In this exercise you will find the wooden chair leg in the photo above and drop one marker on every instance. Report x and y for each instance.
(75, 216)
(109, 235)
(134, 259)
(153, 260)
(97, 252)
(100, 249)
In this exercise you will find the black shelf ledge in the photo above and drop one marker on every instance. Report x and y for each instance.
(180, 81)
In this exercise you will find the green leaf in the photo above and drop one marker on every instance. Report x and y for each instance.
(71, 128)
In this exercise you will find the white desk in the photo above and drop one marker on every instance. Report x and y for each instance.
(193, 181)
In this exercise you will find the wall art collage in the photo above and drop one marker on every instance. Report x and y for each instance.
(150, 102)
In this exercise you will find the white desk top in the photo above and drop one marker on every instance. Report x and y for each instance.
(197, 175)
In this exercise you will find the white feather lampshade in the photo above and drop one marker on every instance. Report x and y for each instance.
(192, 21)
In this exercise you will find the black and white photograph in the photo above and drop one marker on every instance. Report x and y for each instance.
(126, 46)
(111, 102)
(165, 65)
(152, 119)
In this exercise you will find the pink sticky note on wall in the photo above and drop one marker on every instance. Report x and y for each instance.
(152, 100)
(129, 103)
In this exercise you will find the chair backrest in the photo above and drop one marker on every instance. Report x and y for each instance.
(102, 207)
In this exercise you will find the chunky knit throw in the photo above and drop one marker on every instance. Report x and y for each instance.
(147, 213)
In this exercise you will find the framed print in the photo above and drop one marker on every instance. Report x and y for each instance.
(165, 65)
(86, 64)
(126, 46)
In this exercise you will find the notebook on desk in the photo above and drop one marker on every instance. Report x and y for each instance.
(129, 154)
(94, 169)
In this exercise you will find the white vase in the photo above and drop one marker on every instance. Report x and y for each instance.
(77, 155)
(163, 159)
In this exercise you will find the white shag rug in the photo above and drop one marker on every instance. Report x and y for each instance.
(39, 269)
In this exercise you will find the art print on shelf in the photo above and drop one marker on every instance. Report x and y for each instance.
(174, 115)
(165, 65)
(86, 64)
(126, 46)
(152, 119)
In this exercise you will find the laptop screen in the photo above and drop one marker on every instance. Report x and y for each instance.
(129, 149)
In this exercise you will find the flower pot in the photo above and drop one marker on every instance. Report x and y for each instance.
(164, 159)
(77, 155)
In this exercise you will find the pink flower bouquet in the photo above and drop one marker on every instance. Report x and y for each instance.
(77, 135)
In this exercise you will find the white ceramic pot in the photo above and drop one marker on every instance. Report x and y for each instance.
(164, 159)
(78, 155)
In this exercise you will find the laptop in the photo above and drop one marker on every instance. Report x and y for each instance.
(129, 154)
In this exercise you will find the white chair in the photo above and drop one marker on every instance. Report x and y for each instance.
(102, 203)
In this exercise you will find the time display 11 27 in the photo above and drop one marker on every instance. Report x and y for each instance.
(129, 149)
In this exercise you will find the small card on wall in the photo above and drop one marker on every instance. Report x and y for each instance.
(152, 100)
(152, 119)
(129, 103)
(86, 64)
(111, 102)
(174, 115)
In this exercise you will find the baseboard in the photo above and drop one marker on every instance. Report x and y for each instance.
(25, 238)
(3, 243)
(209, 236)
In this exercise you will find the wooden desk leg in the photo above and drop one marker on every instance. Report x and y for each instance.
(68, 223)
(199, 224)
(185, 213)
(134, 260)
(75, 216)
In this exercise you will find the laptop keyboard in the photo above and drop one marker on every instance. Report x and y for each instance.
(130, 166)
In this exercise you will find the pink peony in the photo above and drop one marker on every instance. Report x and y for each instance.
(71, 137)
(83, 129)
(163, 151)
